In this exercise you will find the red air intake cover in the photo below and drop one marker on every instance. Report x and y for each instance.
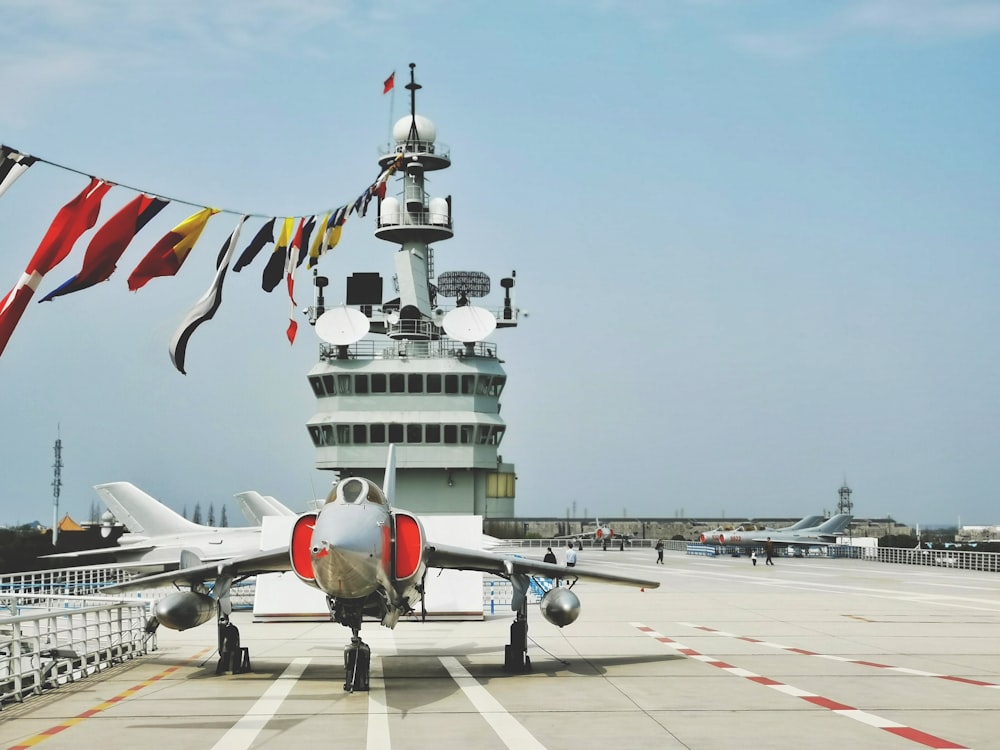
(409, 545)
(300, 547)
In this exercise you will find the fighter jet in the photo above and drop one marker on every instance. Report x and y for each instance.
(602, 534)
(370, 559)
(743, 533)
(816, 536)
(159, 539)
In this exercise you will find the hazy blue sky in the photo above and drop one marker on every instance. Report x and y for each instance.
(758, 241)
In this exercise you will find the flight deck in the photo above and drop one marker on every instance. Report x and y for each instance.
(810, 653)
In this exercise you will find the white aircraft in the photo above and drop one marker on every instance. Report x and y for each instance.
(370, 560)
(822, 534)
(158, 538)
(602, 534)
(744, 532)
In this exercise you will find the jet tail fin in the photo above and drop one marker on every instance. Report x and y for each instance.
(836, 524)
(142, 513)
(255, 506)
(389, 483)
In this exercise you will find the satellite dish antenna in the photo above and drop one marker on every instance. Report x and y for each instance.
(469, 323)
(342, 326)
(392, 318)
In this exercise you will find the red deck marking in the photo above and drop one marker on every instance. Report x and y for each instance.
(45, 734)
(861, 662)
(966, 680)
(841, 709)
(924, 739)
(822, 702)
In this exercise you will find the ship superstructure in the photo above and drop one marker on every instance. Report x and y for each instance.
(412, 368)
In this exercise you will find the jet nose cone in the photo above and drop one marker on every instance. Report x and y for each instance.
(346, 556)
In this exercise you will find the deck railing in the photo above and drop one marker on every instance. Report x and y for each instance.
(59, 639)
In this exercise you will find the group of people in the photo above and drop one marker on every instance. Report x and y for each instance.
(550, 556)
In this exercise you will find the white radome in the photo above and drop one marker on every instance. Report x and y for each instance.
(425, 129)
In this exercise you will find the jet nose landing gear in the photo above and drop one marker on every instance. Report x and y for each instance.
(357, 665)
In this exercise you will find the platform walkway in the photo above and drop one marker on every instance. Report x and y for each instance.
(810, 653)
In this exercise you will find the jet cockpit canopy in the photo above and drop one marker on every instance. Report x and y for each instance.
(355, 490)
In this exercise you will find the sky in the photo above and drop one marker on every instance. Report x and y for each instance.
(758, 242)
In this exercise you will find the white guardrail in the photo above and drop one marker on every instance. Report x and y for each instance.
(53, 640)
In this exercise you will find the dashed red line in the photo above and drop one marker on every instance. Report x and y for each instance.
(841, 709)
(845, 660)
(51, 731)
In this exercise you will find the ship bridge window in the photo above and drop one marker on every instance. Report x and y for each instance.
(378, 433)
(329, 383)
(468, 384)
(321, 434)
(483, 385)
(496, 435)
(414, 433)
(415, 383)
(395, 433)
(397, 383)
(451, 384)
(496, 386)
(433, 382)
(482, 434)
(317, 386)
(360, 434)
(378, 382)
(466, 432)
(343, 384)
(361, 384)
(343, 434)
(450, 434)
(432, 433)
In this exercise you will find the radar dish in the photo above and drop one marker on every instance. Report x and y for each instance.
(463, 284)
(469, 323)
(342, 326)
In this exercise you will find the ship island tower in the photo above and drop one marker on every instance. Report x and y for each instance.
(410, 366)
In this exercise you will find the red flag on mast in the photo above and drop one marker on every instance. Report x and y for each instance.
(389, 83)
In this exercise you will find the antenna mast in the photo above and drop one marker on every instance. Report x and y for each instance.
(56, 485)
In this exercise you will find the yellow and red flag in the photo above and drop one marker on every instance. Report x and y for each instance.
(168, 255)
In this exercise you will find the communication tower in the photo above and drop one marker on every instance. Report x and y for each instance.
(56, 485)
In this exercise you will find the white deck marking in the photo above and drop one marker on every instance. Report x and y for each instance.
(508, 729)
(245, 731)
(378, 712)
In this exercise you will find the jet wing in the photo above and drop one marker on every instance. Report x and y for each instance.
(459, 558)
(103, 551)
(268, 561)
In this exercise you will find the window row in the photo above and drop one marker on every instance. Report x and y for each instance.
(346, 384)
(426, 434)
